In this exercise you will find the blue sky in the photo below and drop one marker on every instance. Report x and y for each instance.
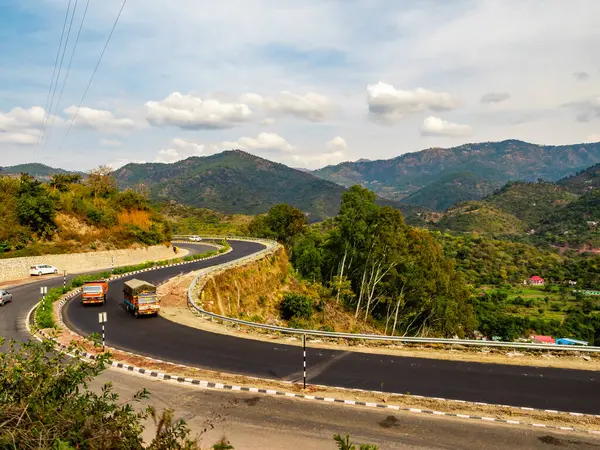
(304, 83)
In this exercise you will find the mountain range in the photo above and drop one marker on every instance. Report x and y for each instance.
(437, 178)
(236, 182)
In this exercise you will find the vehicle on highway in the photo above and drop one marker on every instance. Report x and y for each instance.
(94, 292)
(195, 239)
(42, 269)
(5, 297)
(140, 297)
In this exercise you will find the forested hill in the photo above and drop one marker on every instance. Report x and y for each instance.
(541, 212)
(455, 170)
(583, 181)
(36, 170)
(236, 182)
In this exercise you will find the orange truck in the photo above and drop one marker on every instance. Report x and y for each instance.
(94, 292)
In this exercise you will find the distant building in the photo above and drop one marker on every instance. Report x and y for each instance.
(535, 280)
(542, 339)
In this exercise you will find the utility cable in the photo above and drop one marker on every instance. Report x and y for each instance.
(92, 77)
(44, 119)
(62, 58)
(70, 62)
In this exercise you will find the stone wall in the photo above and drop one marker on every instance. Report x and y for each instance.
(17, 268)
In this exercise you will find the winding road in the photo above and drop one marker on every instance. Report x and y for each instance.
(546, 388)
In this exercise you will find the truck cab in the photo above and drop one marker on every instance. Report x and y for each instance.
(94, 292)
(140, 298)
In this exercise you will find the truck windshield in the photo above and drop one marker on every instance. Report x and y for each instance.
(92, 289)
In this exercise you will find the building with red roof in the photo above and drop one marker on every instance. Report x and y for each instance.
(536, 280)
(543, 339)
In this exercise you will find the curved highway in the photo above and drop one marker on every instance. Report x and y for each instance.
(546, 388)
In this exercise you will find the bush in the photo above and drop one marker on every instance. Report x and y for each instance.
(296, 306)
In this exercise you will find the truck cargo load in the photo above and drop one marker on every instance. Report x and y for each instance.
(94, 292)
(140, 297)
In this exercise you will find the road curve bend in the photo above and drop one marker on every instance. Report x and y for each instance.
(156, 337)
(545, 388)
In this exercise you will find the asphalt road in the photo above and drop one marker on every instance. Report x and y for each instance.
(264, 422)
(561, 389)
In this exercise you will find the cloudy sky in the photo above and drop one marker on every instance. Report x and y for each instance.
(306, 83)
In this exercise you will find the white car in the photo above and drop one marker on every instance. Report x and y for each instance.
(42, 269)
(5, 297)
(195, 239)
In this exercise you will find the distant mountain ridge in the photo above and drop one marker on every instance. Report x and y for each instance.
(236, 182)
(37, 170)
(402, 178)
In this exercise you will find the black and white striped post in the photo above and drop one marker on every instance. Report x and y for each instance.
(304, 357)
(43, 292)
(64, 280)
(112, 264)
(102, 320)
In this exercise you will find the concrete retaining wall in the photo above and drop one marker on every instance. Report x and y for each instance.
(17, 268)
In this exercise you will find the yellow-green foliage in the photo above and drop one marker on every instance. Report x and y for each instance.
(79, 221)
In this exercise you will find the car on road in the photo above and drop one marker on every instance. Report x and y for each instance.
(195, 239)
(5, 297)
(42, 269)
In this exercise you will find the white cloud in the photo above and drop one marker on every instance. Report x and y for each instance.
(311, 106)
(113, 143)
(267, 121)
(337, 143)
(266, 142)
(22, 126)
(191, 112)
(434, 126)
(388, 104)
(181, 149)
(118, 163)
(495, 97)
(99, 119)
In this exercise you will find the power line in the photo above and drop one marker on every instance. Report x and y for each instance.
(69, 66)
(62, 58)
(44, 119)
(92, 77)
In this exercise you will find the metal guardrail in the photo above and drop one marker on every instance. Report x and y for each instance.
(337, 335)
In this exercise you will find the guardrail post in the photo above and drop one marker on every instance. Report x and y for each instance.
(304, 358)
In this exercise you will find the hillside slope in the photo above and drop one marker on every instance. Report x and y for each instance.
(584, 181)
(235, 182)
(498, 162)
(36, 170)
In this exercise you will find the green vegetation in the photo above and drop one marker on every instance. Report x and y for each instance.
(452, 188)
(496, 162)
(235, 182)
(387, 274)
(190, 220)
(542, 213)
(583, 181)
(296, 306)
(66, 216)
(46, 404)
(36, 170)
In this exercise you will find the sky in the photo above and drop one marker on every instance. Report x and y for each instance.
(307, 83)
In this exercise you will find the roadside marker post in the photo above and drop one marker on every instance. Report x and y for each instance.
(43, 292)
(304, 356)
(64, 280)
(102, 320)
(112, 264)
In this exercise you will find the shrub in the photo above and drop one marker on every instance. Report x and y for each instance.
(296, 306)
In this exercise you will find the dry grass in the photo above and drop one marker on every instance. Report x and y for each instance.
(135, 217)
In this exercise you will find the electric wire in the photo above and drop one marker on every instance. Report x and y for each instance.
(62, 58)
(92, 77)
(44, 118)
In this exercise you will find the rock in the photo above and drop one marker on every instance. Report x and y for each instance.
(459, 346)
(586, 357)
(514, 354)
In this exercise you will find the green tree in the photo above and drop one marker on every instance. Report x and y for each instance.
(283, 222)
(45, 403)
(34, 207)
(101, 181)
(62, 181)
